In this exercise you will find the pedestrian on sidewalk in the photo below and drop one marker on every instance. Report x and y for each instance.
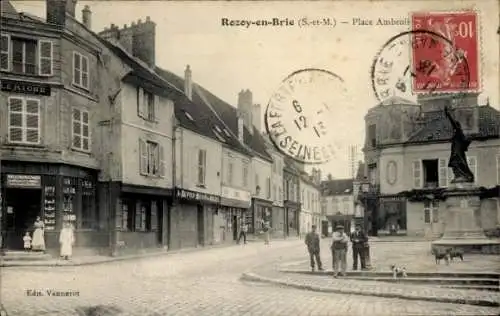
(67, 240)
(266, 228)
(38, 242)
(243, 232)
(312, 243)
(339, 250)
(27, 242)
(358, 239)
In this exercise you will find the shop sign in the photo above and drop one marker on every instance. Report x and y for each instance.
(196, 196)
(25, 87)
(23, 181)
(235, 194)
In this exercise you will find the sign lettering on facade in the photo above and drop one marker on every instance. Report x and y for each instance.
(23, 181)
(196, 196)
(25, 87)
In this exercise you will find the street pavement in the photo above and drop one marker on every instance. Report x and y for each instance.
(197, 283)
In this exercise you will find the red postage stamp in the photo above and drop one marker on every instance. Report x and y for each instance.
(451, 64)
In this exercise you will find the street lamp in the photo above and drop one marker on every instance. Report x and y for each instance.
(365, 188)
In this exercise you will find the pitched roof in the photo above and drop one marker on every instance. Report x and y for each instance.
(437, 127)
(337, 187)
(229, 115)
(204, 121)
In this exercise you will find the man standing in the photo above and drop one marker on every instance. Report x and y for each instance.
(339, 250)
(243, 232)
(312, 243)
(358, 239)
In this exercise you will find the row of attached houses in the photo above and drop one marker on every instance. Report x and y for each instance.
(406, 150)
(96, 133)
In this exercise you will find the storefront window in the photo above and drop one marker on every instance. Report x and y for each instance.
(88, 197)
(126, 223)
(140, 217)
(292, 219)
(69, 198)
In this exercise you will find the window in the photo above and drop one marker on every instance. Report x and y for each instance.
(147, 105)
(152, 161)
(257, 183)
(26, 56)
(81, 138)
(280, 193)
(245, 175)
(472, 162)
(372, 135)
(431, 174)
(202, 166)
(189, 116)
(24, 120)
(230, 173)
(268, 187)
(80, 70)
(140, 217)
(227, 133)
(431, 211)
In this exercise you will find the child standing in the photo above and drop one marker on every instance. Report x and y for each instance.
(27, 241)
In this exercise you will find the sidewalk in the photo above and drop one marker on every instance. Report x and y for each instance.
(96, 259)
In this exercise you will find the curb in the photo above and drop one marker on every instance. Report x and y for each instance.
(369, 274)
(61, 263)
(248, 276)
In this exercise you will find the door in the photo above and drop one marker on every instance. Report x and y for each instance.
(235, 227)
(201, 225)
(22, 206)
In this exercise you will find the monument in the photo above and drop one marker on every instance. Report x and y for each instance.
(463, 204)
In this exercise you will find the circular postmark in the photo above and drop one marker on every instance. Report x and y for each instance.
(419, 62)
(298, 112)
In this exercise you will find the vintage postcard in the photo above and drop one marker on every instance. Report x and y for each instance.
(249, 157)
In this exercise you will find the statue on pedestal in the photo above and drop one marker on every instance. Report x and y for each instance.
(459, 146)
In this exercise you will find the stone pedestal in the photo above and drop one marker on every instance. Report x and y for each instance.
(463, 222)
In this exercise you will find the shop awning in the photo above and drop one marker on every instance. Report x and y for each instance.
(235, 203)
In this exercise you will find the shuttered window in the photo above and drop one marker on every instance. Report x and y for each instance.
(24, 120)
(202, 166)
(472, 162)
(80, 70)
(151, 159)
(45, 57)
(443, 173)
(5, 52)
(81, 131)
(417, 174)
(147, 105)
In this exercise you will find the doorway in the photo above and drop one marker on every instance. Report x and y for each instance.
(234, 225)
(22, 206)
(201, 225)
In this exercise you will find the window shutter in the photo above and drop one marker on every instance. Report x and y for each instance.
(5, 53)
(162, 160)
(45, 57)
(85, 71)
(143, 157)
(472, 162)
(32, 121)
(76, 69)
(140, 102)
(15, 119)
(156, 107)
(417, 174)
(443, 173)
(498, 169)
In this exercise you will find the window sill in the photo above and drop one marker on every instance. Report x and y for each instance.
(80, 87)
(12, 145)
(82, 151)
(147, 175)
(22, 74)
(201, 186)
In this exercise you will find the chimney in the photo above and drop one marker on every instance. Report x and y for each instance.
(56, 12)
(126, 37)
(143, 46)
(330, 177)
(245, 107)
(188, 83)
(86, 17)
(112, 33)
(257, 117)
(240, 129)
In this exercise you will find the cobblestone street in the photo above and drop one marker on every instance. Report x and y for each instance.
(198, 283)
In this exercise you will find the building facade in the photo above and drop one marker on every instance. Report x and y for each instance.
(277, 192)
(291, 185)
(339, 203)
(51, 91)
(412, 162)
(310, 201)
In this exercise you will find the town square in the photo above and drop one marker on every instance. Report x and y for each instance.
(249, 158)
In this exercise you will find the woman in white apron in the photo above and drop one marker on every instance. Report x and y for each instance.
(38, 242)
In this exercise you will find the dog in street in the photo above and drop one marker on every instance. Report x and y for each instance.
(398, 272)
(456, 253)
(447, 254)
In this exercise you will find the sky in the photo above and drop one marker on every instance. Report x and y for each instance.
(227, 59)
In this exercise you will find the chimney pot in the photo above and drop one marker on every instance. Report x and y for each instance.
(86, 17)
(148, 19)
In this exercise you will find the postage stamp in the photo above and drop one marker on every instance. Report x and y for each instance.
(441, 69)
(397, 68)
(296, 117)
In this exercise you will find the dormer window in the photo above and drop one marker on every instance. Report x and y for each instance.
(217, 128)
(189, 116)
(218, 135)
(227, 133)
